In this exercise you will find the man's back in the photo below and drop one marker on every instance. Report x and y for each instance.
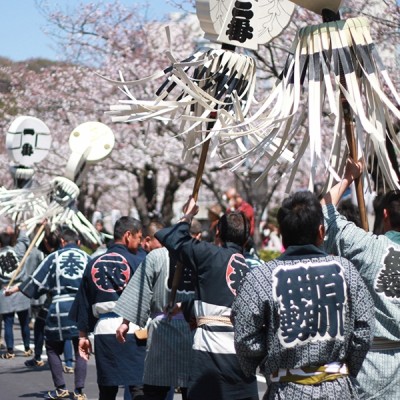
(217, 271)
(59, 275)
(305, 309)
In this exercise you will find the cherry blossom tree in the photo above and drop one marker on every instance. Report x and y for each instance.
(145, 169)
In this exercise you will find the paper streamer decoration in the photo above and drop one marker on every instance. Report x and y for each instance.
(212, 88)
(314, 59)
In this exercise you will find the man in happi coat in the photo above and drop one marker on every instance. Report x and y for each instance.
(169, 344)
(215, 373)
(60, 275)
(305, 319)
(377, 257)
(18, 304)
(105, 277)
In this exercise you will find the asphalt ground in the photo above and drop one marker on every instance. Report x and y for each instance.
(20, 382)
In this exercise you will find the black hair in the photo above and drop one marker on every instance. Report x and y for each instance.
(69, 235)
(350, 211)
(299, 219)
(51, 240)
(234, 227)
(5, 239)
(391, 202)
(125, 224)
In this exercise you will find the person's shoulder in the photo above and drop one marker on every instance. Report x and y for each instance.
(157, 253)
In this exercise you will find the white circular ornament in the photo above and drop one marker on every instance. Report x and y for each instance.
(95, 136)
(28, 140)
(246, 23)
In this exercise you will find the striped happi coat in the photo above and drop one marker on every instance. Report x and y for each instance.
(59, 275)
(215, 372)
(377, 258)
(169, 343)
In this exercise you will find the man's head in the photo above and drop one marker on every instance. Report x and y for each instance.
(301, 220)
(149, 242)
(233, 227)
(233, 198)
(390, 206)
(69, 236)
(128, 231)
(196, 229)
(99, 225)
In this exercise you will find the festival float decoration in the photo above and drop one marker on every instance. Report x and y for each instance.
(54, 201)
(212, 89)
(28, 142)
(345, 75)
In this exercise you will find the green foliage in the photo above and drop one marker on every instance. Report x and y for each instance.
(268, 255)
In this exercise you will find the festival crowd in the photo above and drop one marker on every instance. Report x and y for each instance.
(163, 310)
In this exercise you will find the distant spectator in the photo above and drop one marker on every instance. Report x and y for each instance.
(237, 203)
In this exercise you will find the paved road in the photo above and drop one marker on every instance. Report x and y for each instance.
(20, 382)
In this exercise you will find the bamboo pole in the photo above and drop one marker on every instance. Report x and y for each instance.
(28, 251)
(195, 193)
(329, 15)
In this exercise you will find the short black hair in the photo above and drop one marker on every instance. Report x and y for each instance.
(350, 211)
(391, 202)
(69, 235)
(234, 227)
(125, 224)
(299, 219)
(5, 239)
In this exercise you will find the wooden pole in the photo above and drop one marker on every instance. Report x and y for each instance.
(329, 15)
(351, 142)
(28, 251)
(200, 170)
(195, 193)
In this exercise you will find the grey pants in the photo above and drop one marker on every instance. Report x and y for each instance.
(54, 350)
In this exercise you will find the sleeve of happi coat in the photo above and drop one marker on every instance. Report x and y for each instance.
(248, 312)
(363, 307)
(343, 237)
(22, 245)
(81, 309)
(40, 282)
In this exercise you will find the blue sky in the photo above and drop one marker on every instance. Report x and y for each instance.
(21, 27)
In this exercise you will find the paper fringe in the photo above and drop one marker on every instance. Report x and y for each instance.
(54, 201)
(316, 56)
(209, 90)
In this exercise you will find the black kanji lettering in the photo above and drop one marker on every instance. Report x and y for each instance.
(239, 28)
(312, 300)
(388, 281)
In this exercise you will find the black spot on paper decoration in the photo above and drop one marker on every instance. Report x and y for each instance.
(388, 281)
(240, 28)
(27, 149)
